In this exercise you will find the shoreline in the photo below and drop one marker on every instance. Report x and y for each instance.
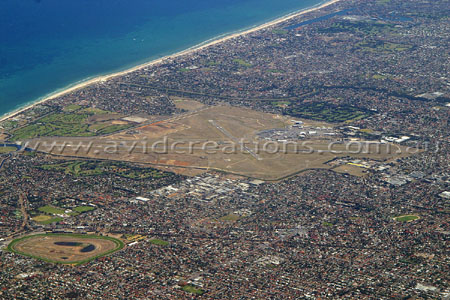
(201, 46)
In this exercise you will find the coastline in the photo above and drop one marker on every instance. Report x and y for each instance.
(193, 49)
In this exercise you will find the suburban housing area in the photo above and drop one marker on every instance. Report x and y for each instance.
(308, 159)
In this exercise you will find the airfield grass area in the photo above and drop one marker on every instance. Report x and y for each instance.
(71, 249)
(406, 218)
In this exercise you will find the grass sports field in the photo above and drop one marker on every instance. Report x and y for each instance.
(51, 210)
(193, 290)
(158, 242)
(406, 218)
(45, 219)
(71, 249)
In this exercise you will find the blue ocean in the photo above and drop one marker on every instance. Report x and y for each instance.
(49, 45)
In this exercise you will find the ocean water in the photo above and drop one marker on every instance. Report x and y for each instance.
(48, 45)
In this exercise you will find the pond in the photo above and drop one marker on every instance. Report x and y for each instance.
(68, 244)
(88, 248)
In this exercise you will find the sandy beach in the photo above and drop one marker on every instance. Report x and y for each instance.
(157, 61)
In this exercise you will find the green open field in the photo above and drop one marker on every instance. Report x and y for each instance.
(275, 71)
(193, 290)
(242, 62)
(230, 217)
(406, 218)
(184, 70)
(158, 242)
(281, 103)
(46, 220)
(280, 31)
(82, 209)
(76, 168)
(47, 214)
(72, 108)
(57, 124)
(74, 120)
(323, 111)
(9, 124)
(364, 27)
(41, 218)
(51, 210)
(95, 168)
(71, 249)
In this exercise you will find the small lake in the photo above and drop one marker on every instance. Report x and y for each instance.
(89, 248)
(68, 244)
